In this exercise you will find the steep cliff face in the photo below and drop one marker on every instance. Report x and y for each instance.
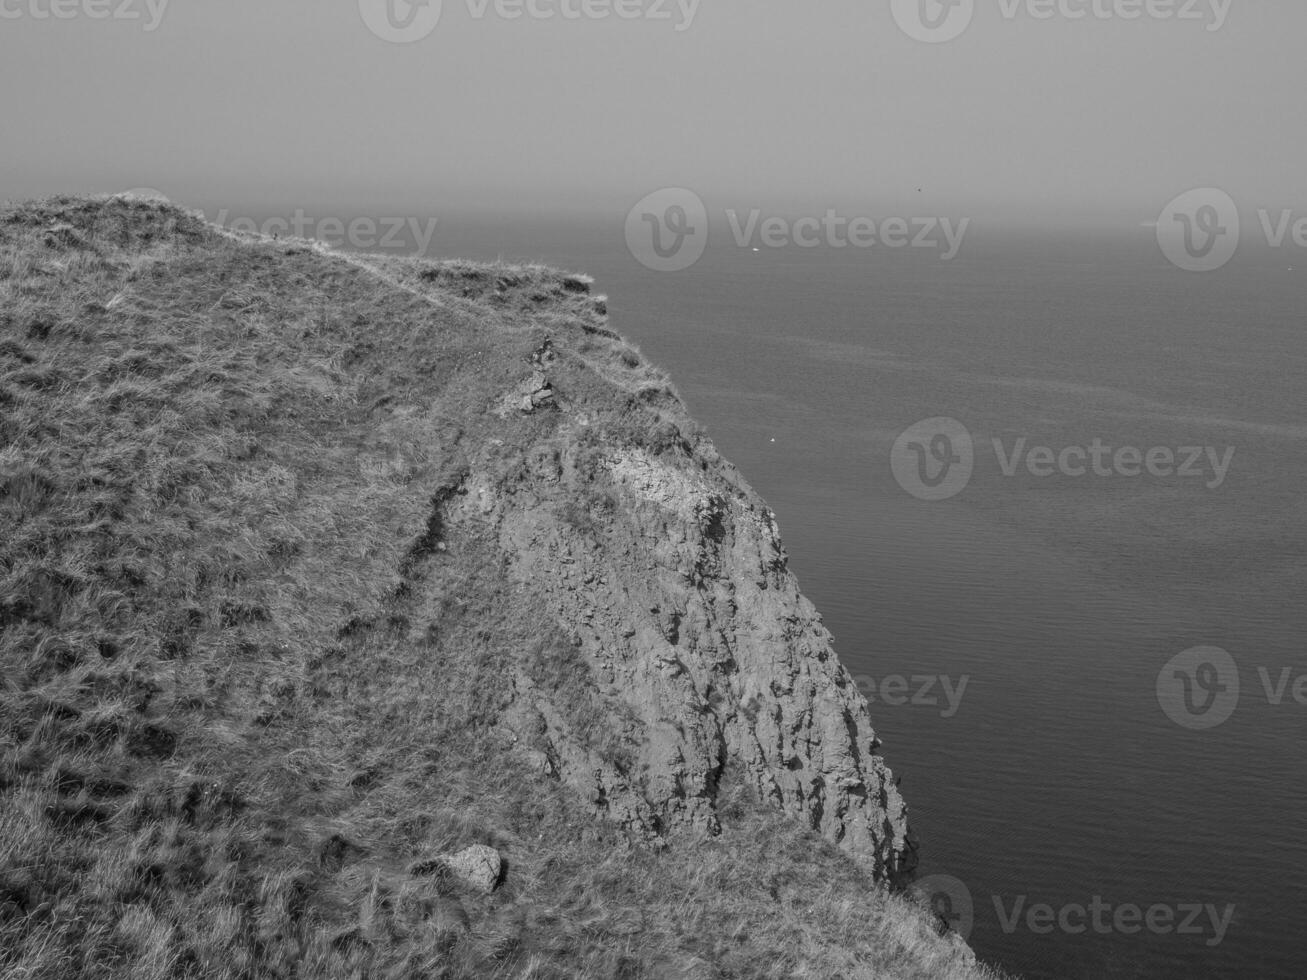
(324, 577)
(587, 483)
(668, 575)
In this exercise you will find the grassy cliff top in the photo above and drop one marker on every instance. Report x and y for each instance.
(225, 744)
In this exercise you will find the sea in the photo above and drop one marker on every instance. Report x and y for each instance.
(1049, 496)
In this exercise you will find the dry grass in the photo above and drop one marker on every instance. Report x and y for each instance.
(229, 720)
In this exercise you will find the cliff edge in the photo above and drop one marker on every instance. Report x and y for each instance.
(583, 488)
(316, 568)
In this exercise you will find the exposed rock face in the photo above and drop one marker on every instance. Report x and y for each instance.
(477, 867)
(667, 574)
(686, 644)
(529, 395)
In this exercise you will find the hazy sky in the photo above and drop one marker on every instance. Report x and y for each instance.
(758, 102)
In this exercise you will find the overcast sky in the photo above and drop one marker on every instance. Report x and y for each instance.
(764, 102)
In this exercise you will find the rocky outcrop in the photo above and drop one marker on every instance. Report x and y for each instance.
(479, 867)
(666, 576)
